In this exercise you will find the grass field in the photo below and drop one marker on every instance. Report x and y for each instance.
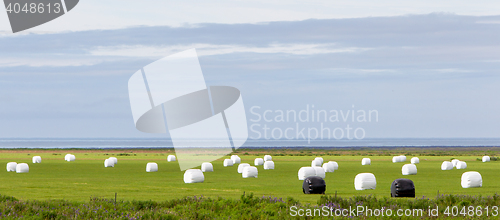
(87, 177)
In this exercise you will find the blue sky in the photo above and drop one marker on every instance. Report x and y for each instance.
(428, 71)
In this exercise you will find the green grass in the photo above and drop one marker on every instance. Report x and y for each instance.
(86, 177)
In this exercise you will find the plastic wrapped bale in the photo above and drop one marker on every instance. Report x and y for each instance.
(409, 169)
(69, 157)
(399, 159)
(316, 163)
(328, 167)
(314, 185)
(250, 172)
(268, 158)
(258, 162)
(366, 161)
(194, 176)
(269, 165)
(305, 172)
(454, 162)
(242, 166)
(228, 163)
(415, 160)
(207, 167)
(486, 158)
(36, 159)
(114, 159)
(471, 179)
(365, 181)
(461, 165)
(171, 158)
(335, 165)
(22, 168)
(11, 166)
(320, 159)
(395, 159)
(403, 188)
(319, 172)
(447, 165)
(236, 159)
(152, 167)
(109, 163)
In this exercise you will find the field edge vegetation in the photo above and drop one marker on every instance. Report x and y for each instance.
(247, 206)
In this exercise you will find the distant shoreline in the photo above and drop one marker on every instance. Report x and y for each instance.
(166, 143)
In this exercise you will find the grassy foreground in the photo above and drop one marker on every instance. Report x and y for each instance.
(251, 207)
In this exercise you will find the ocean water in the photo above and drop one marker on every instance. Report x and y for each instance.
(106, 143)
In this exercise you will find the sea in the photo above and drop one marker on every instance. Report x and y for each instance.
(123, 143)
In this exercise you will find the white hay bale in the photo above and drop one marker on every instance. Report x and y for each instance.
(305, 172)
(320, 159)
(171, 158)
(109, 163)
(152, 167)
(268, 158)
(486, 158)
(11, 166)
(69, 157)
(242, 166)
(22, 168)
(250, 172)
(228, 163)
(454, 162)
(194, 176)
(471, 179)
(447, 165)
(236, 159)
(316, 163)
(364, 181)
(399, 159)
(269, 165)
(328, 167)
(409, 169)
(335, 165)
(114, 159)
(415, 160)
(461, 165)
(395, 159)
(36, 159)
(366, 161)
(320, 172)
(207, 167)
(259, 162)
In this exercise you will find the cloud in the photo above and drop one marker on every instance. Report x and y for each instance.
(213, 49)
(47, 62)
(413, 69)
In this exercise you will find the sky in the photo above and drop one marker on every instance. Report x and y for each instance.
(429, 70)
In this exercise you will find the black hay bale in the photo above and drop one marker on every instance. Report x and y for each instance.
(314, 185)
(403, 188)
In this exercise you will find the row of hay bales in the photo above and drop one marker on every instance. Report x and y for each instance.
(22, 167)
(266, 162)
(318, 168)
(364, 181)
(455, 163)
(245, 169)
(469, 179)
(407, 169)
